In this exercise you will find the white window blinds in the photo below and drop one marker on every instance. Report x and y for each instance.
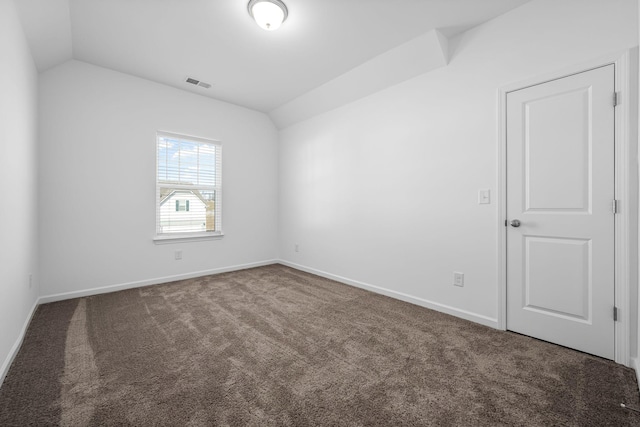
(188, 185)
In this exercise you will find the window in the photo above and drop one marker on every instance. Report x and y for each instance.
(182, 205)
(188, 187)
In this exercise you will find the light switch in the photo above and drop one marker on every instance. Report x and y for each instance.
(484, 196)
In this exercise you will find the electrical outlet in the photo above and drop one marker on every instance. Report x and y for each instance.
(178, 255)
(296, 247)
(30, 280)
(458, 279)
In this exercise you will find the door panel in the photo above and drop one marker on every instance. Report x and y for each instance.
(560, 186)
(553, 262)
(544, 157)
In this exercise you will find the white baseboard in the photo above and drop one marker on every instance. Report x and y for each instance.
(463, 314)
(138, 284)
(635, 364)
(4, 370)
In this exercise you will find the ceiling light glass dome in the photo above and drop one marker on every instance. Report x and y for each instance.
(268, 14)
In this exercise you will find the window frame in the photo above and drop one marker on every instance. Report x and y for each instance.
(164, 237)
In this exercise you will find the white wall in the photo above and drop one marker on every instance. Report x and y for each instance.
(18, 175)
(635, 360)
(384, 190)
(97, 150)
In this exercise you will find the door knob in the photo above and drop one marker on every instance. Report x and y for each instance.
(515, 223)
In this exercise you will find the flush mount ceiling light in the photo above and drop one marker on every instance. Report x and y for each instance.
(268, 14)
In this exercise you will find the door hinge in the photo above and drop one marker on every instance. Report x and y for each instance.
(616, 98)
(615, 314)
(505, 222)
(614, 206)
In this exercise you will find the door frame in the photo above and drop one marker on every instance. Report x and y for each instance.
(626, 185)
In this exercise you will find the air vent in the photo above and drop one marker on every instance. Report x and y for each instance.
(197, 82)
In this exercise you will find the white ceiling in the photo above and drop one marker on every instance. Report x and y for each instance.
(217, 42)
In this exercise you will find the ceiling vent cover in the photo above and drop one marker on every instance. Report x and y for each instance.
(197, 82)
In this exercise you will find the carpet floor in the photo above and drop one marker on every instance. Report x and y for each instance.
(273, 346)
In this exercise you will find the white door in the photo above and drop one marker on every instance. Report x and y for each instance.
(560, 187)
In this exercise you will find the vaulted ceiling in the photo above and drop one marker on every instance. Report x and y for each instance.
(216, 41)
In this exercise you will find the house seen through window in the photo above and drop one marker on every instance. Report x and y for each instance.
(188, 186)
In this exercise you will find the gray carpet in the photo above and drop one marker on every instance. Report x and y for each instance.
(273, 346)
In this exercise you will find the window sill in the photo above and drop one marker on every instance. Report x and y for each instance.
(166, 238)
